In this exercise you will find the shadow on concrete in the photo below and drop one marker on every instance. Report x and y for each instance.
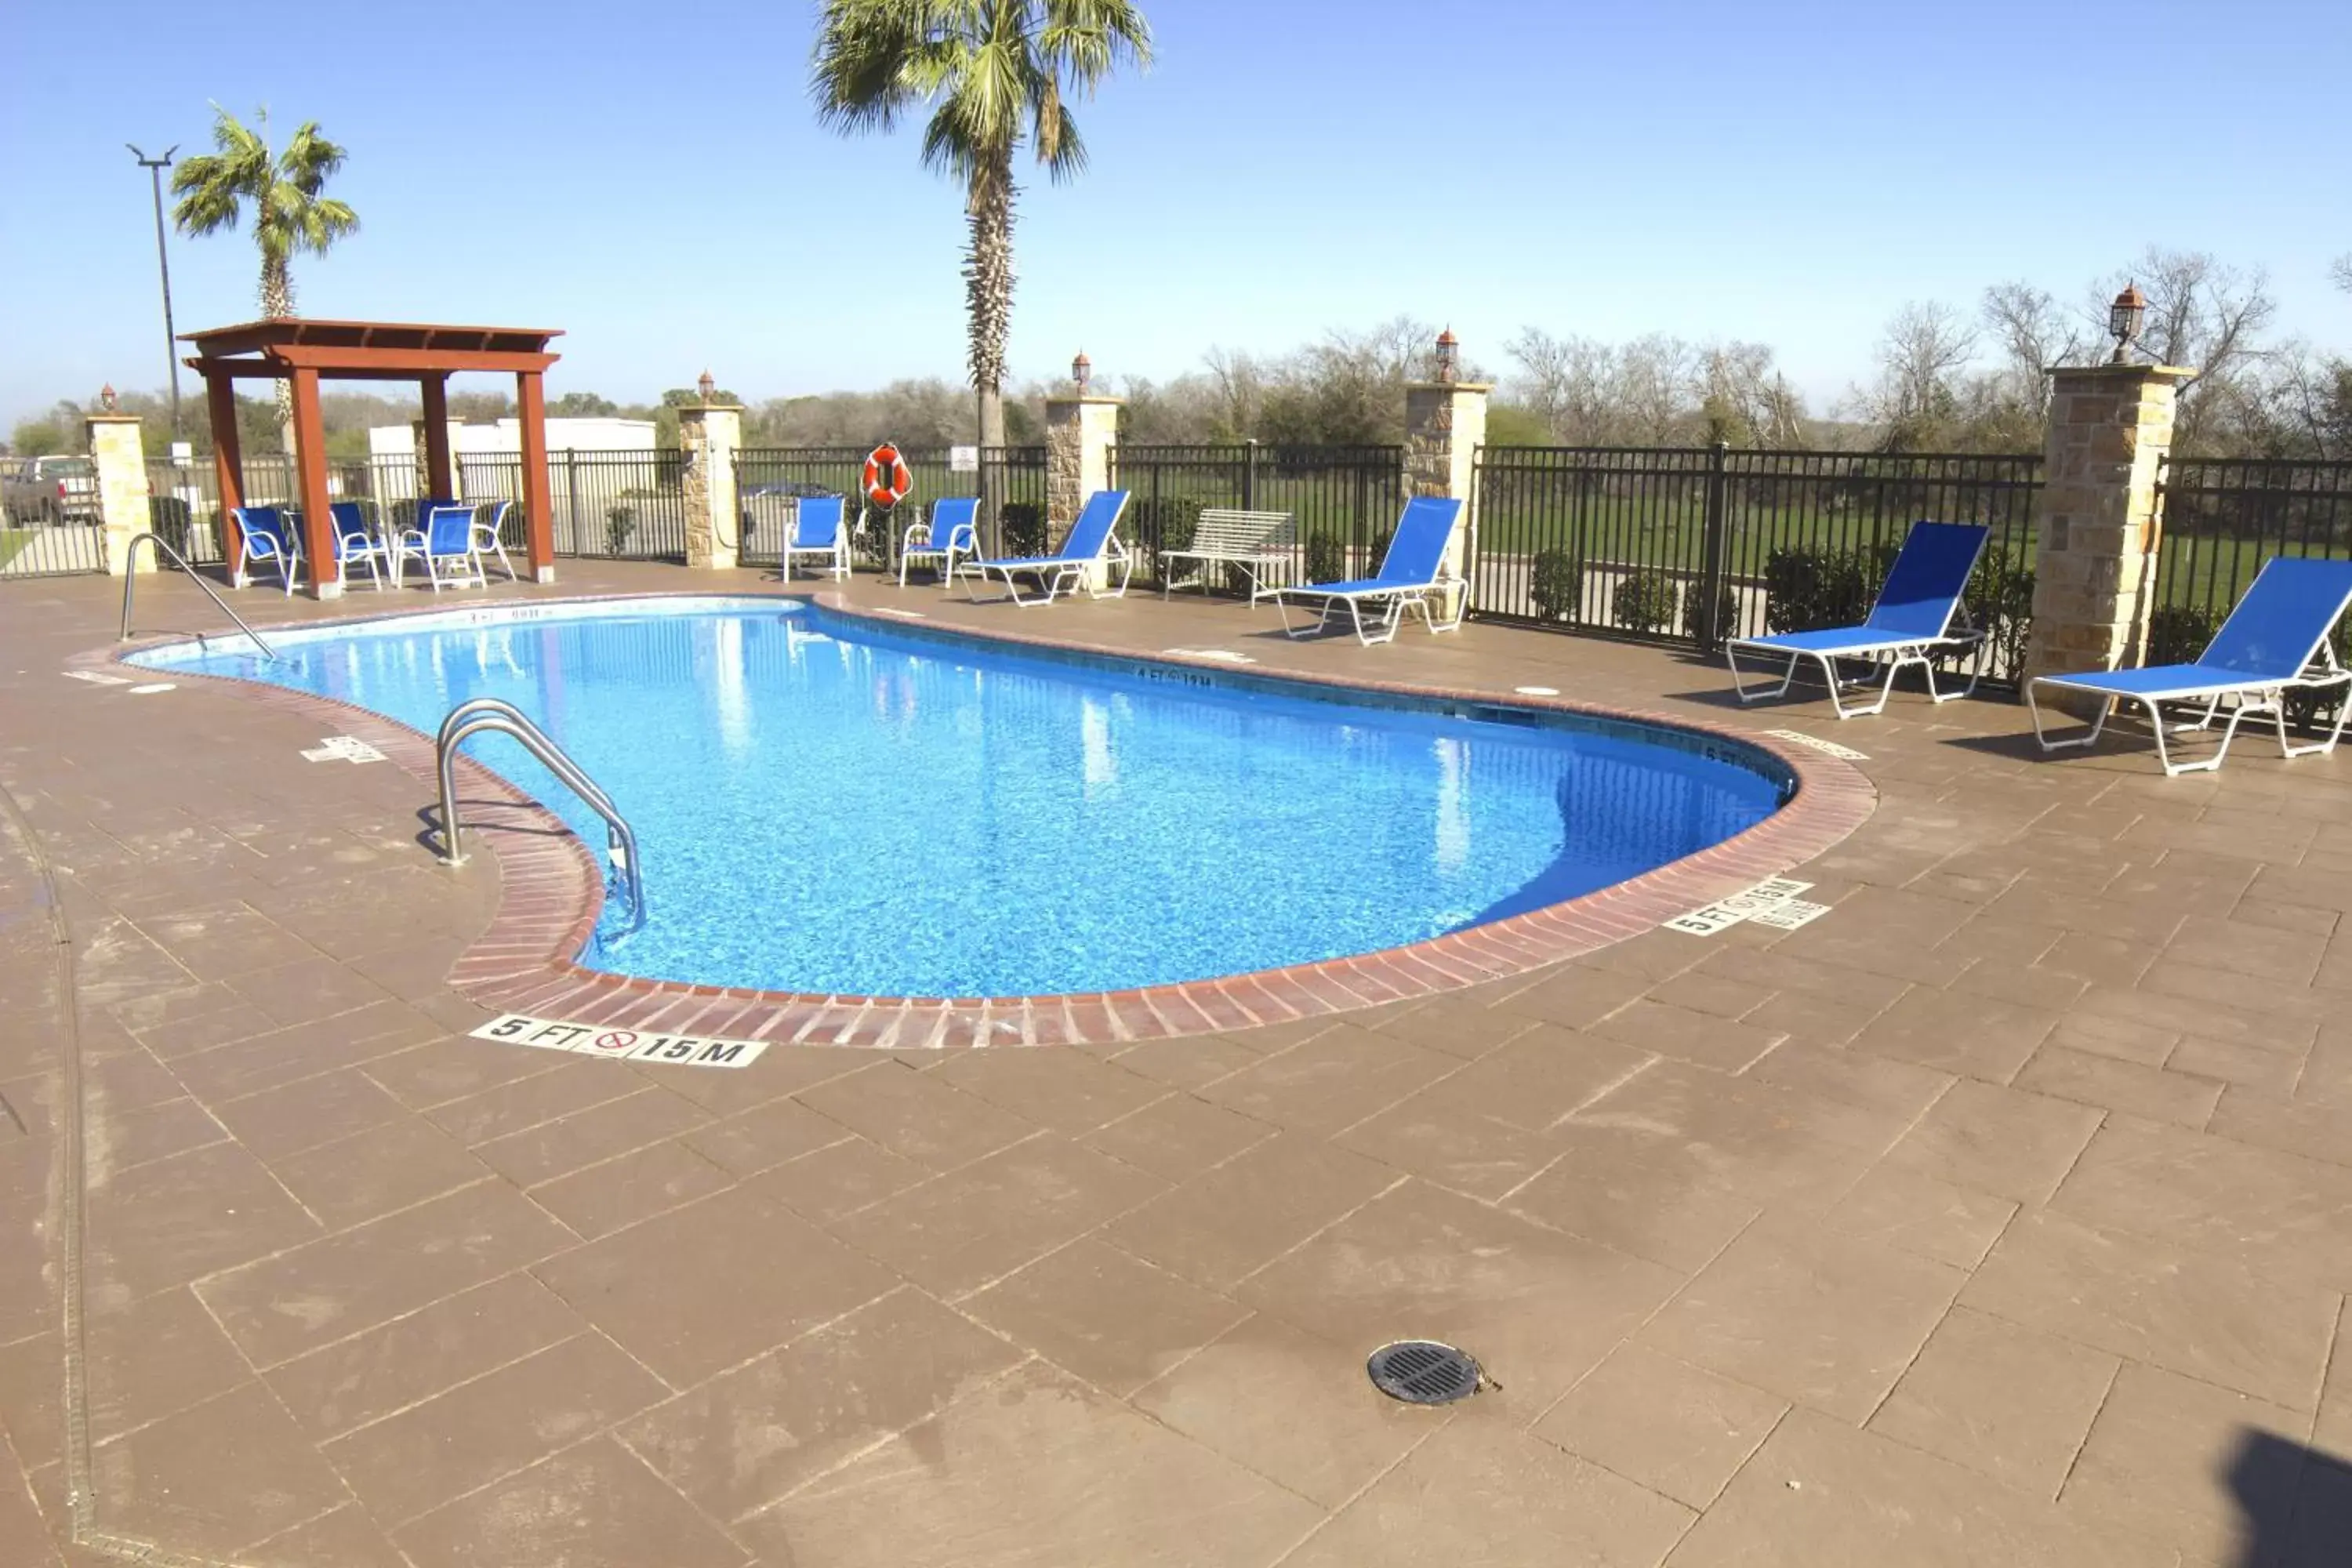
(2295, 1502)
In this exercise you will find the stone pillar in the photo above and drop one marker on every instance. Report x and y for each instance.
(2094, 563)
(120, 459)
(1081, 430)
(1445, 424)
(709, 434)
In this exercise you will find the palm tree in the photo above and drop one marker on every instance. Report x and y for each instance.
(289, 213)
(995, 74)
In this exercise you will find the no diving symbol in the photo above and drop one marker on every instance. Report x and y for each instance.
(617, 1041)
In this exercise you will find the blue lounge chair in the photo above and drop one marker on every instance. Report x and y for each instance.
(818, 530)
(1910, 624)
(2277, 640)
(953, 534)
(356, 542)
(446, 545)
(267, 536)
(1093, 540)
(1412, 574)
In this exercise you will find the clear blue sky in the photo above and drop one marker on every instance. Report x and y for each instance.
(652, 180)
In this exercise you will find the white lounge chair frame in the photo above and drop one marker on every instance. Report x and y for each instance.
(2247, 700)
(1384, 625)
(1059, 576)
(1228, 536)
(1895, 654)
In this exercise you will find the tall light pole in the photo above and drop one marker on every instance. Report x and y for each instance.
(155, 167)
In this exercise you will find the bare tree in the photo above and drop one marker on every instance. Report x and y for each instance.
(1744, 399)
(2034, 333)
(1917, 400)
(2340, 271)
(2201, 314)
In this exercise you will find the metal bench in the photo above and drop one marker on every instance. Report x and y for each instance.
(1259, 542)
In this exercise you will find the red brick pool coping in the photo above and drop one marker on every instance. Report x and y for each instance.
(552, 893)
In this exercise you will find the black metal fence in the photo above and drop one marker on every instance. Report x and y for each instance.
(2223, 517)
(1343, 499)
(1695, 544)
(629, 503)
(770, 481)
(63, 544)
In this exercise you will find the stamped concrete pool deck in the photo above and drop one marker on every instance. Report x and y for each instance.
(2003, 1215)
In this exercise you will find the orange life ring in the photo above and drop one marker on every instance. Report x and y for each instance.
(887, 479)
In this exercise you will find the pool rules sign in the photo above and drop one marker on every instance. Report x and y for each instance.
(627, 1044)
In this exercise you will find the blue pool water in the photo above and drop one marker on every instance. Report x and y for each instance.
(821, 806)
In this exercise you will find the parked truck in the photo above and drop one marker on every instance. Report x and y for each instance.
(46, 491)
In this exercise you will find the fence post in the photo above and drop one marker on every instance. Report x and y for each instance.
(1249, 476)
(1711, 575)
(119, 461)
(1445, 425)
(708, 435)
(2095, 556)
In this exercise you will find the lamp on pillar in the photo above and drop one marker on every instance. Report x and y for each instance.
(705, 384)
(1449, 356)
(2124, 319)
(107, 398)
(1082, 371)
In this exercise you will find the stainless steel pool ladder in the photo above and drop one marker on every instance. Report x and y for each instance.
(489, 715)
(130, 581)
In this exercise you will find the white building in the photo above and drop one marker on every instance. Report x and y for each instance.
(504, 439)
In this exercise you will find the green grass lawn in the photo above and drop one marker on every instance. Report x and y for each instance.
(13, 542)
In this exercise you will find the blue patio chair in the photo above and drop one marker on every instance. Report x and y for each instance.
(266, 535)
(1093, 540)
(818, 530)
(446, 544)
(1910, 624)
(489, 523)
(356, 542)
(952, 534)
(2278, 639)
(1412, 574)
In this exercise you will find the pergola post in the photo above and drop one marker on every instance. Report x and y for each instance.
(228, 469)
(538, 497)
(318, 514)
(434, 394)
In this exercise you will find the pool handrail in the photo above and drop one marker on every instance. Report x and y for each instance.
(131, 582)
(490, 715)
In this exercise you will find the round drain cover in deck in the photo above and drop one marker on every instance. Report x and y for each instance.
(1422, 1371)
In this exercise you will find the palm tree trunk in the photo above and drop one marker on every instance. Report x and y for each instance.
(988, 292)
(277, 300)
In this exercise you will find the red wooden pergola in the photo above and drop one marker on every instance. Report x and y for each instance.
(307, 353)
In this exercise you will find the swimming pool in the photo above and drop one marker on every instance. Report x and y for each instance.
(826, 803)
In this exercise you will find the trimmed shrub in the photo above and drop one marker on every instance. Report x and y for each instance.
(2001, 603)
(1644, 601)
(620, 522)
(404, 517)
(1326, 558)
(1023, 523)
(1154, 527)
(1726, 612)
(1808, 589)
(1556, 585)
(2177, 634)
(170, 520)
